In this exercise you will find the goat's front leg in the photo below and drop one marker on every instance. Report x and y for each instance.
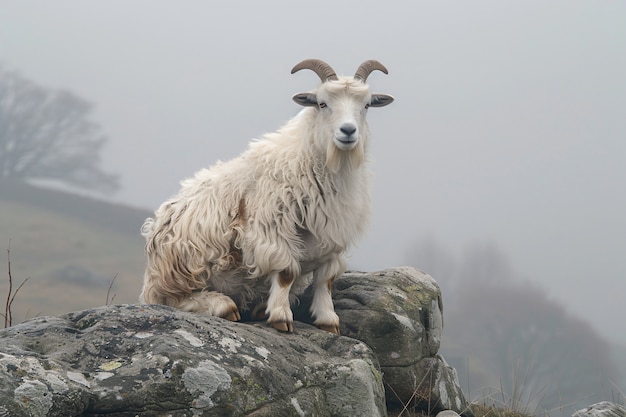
(322, 308)
(278, 308)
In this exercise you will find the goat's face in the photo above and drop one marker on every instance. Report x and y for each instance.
(342, 102)
(341, 107)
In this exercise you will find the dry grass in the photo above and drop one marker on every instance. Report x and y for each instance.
(491, 403)
(8, 307)
(44, 244)
(482, 410)
(478, 410)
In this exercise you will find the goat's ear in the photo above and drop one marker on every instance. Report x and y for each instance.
(381, 100)
(305, 99)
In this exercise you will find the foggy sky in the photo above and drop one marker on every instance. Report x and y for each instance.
(509, 124)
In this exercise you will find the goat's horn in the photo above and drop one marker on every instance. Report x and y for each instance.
(322, 69)
(367, 67)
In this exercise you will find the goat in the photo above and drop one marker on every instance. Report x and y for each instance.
(253, 233)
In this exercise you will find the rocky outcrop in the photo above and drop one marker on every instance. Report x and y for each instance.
(402, 321)
(602, 409)
(153, 360)
(398, 312)
(134, 360)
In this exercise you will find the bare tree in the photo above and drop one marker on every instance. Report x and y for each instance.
(46, 134)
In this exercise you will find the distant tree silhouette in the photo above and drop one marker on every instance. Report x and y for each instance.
(541, 354)
(512, 336)
(46, 134)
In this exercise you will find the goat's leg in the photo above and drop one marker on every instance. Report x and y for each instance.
(211, 303)
(322, 308)
(259, 312)
(278, 308)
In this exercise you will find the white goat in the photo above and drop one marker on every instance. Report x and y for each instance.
(247, 234)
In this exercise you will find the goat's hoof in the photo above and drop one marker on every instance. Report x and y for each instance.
(283, 326)
(333, 328)
(232, 315)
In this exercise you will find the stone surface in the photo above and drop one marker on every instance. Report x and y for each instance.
(154, 360)
(398, 312)
(602, 409)
(447, 413)
(136, 360)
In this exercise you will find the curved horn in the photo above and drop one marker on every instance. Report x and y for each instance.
(322, 69)
(367, 67)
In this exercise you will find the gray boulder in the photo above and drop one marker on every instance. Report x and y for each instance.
(157, 361)
(398, 312)
(602, 409)
(136, 360)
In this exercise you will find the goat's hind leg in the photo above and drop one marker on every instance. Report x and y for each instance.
(212, 303)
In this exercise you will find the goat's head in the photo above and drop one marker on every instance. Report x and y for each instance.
(341, 104)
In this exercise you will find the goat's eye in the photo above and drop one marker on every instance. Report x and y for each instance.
(322, 105)
(367, 106)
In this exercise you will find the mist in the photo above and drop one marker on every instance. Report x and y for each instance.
(508, 127)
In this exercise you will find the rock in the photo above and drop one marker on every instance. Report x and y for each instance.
(398, 312)
(602, 409)
(136, 360)
(154, 360)
(447, 413)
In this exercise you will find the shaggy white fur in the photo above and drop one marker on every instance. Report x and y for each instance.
(248, 234)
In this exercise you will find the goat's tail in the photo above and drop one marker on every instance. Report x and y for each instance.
(169, 278)
(174, 269)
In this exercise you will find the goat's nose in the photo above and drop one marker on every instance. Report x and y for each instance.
(348, 129)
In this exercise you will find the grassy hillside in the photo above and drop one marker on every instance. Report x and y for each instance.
(70, 248)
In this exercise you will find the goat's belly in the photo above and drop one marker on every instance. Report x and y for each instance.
(238, 285)
(315, 259)
(310, 266)
(315, 254)
(247, 291)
